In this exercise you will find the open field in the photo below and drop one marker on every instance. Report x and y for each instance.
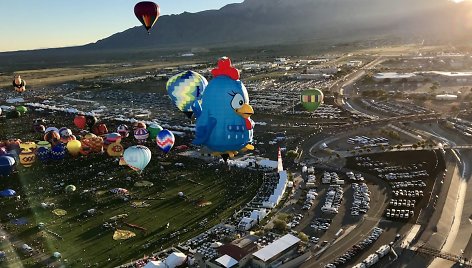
(81, 238)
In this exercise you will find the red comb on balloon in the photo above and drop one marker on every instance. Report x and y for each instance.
(225, 68)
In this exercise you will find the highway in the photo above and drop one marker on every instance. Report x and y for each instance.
(456, 239)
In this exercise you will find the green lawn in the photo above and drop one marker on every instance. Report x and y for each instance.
(84, 237)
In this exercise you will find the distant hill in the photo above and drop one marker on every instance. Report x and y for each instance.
(256, 22)
(278, 22)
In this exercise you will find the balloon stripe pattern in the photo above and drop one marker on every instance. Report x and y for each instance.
(165, 140)
(185, 88)
(311, 99)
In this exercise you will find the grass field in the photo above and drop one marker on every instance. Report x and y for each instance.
(84, 239)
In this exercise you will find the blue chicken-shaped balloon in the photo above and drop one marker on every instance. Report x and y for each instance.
(223, 118)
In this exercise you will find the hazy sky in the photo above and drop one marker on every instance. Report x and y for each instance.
(32, 24)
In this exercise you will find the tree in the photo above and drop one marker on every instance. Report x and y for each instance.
(280, 225)
(303, 236)
(399, 146)
(415, 146)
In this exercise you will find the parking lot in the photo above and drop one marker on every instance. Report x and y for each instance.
(410, 176)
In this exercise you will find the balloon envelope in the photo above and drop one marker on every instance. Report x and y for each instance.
(141, 135)
(123, 130)
(6, 165)
(165, 140)
(185, 88)
(137, 157)
(44, 153)
(22, 109)
(73, 147)
(80, 121)
(311, 99)
(113, 137)
(58, 152)
(7, 193)
(70, 188)
(147, 13)
(154, 129)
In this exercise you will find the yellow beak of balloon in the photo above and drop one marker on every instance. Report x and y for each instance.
(245, 111)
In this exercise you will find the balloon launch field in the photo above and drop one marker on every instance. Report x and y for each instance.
(163, 205)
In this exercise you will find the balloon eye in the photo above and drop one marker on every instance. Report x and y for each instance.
(237, 101)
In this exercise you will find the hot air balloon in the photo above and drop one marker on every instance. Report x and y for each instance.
(141, 135)
(27, 155)
(43, 150)
(55, 129)
(154, 129)
(58, 151)
(13, 114)
(184, 89)
(6, 165)
(91, 121)
(74, 147)
(111, 138)
(165, 140)
(52, 137)
(223, 121)
(96, 144)
(85, 148)
(44, 144)
(13, 145)
(100, 129)
(115, 149)
(311, 99)
(137, 157)
(66, 135)
(22, 109)
(70, 188)
(19, 84)
(39, 128)
(80, 121)
(147, 13)
(123, 130)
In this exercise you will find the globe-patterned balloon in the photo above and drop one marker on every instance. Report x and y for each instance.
(165, 140)
(185, 88)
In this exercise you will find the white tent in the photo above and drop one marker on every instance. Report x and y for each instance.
(155, 264)
(175, 259)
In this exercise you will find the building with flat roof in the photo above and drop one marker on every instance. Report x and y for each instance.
(235, 254)
(276, 252)
(383, 77)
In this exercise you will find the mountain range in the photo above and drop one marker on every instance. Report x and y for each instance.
(259, 22)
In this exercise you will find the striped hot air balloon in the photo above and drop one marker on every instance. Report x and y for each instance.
(311, 99)
(165, 140)
(184, 89)
(141, 135)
